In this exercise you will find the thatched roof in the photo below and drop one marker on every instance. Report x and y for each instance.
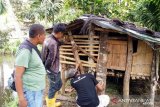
(128, 28)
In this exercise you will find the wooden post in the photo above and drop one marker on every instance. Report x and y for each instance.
(63, 68)
(154, 76)
(75, 52)
(91, 34)
(102, 60)
(126, 80)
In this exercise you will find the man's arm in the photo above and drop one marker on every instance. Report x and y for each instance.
(51, 56)
(19, 86)
(100, 86)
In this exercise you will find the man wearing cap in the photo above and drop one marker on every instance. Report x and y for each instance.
(50, 57)
(85, 85)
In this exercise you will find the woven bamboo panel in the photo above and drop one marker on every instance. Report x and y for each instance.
(142, 60)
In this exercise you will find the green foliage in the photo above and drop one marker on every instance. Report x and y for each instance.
(67, 15)
(148, 13)
(2, 7)
(4, 38)
(39, 9)
(7, 99)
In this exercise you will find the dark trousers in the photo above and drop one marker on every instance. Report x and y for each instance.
(55, 83)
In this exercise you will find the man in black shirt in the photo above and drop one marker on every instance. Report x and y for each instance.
(85, 85)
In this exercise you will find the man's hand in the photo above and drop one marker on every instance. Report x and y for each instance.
(100, 86)
(22, 102)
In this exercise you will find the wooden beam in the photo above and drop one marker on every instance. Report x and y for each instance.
(63, 78)
(102, 60)
(154, 77)
(75, 51)
(126, 80)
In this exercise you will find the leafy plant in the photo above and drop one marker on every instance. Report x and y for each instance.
(148, 13)
(4, 38)
(2, 7)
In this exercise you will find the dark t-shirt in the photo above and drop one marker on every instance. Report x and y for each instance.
(85, 86)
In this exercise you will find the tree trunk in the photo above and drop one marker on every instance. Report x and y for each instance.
(91, 34)
(102, 60)
(154, 77)
(126, 80)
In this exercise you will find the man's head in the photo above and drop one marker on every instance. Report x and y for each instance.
(37, 32)
(71, 73)
(59, 30)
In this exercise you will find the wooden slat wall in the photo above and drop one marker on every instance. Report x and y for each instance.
(116, 54)
(142, 61)
(83, 42)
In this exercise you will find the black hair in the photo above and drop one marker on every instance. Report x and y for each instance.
(60, 27)
(36, 29)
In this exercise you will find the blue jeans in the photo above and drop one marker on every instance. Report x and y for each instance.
(34, 98)
(55, 83)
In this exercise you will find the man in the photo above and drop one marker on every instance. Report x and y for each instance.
(85, 85)
(50, 57)
(29, 69)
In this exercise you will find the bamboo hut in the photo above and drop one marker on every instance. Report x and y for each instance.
(110, 47)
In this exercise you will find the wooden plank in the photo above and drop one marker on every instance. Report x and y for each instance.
(69, 58)
(84, 36)
(62, 49)
(82, 40)
(72, 59)
(69, 46)
(81, 54)
(73, 63)
(83, 43)
(142, 59)
(116, 54)
(128, 70)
